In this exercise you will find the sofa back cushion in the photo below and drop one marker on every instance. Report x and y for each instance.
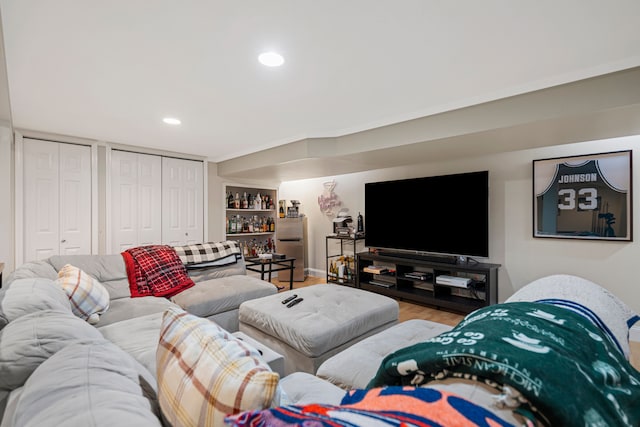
(102, 267)
(89, 384)
(107, 269)
(24, 296)
(29, 270)
(207, 273)
(205, 373)
(29, 340)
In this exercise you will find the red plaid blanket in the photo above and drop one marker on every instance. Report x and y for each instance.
(155, 270)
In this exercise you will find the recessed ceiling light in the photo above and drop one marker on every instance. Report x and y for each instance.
(171, 121)
(271, 59)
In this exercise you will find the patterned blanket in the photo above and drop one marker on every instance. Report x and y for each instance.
(380, 407)
(553, 363)
(155, 270)
(205, 253)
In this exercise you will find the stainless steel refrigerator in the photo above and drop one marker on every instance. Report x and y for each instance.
(291, 240)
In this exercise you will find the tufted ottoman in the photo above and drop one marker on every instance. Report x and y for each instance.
(329, 319)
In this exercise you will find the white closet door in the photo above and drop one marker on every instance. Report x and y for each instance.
(136, 190)
(182, 201)
(149, 199)
(57, 199)
(75, 199)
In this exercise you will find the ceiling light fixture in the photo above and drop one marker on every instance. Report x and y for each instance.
(271, 59)
(171, 121)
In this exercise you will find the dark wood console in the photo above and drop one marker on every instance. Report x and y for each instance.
(415, 279)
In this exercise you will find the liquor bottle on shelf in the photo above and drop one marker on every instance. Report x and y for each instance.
(236, 201)
(257, 202)
(245, 202)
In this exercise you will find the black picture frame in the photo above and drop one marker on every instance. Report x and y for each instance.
(587, 197)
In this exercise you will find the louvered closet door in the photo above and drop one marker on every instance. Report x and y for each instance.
(136, 190)
(57, 199)
(182, 201)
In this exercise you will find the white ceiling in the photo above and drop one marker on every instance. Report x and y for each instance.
(111, 70)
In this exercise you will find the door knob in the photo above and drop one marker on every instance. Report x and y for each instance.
(186, 234)
(63, 241)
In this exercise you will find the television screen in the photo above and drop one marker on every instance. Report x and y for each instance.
(447, 214)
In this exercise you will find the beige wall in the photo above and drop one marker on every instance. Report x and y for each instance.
(523, 258)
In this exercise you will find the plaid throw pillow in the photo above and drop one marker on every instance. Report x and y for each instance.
(205, 373)
(88, 297)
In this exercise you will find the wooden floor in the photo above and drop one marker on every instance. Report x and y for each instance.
(415, 311)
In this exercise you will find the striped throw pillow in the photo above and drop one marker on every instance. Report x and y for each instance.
(204, 373)
(88, 297)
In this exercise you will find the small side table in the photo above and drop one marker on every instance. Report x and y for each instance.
(280, 264)
(273, 359)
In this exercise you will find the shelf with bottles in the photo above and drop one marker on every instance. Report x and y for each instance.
(255, 247)
(250, 199)
(237, 225)
(341, 256)
(342, 271)
(249, 212)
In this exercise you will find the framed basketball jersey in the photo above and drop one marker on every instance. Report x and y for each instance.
(583, 197)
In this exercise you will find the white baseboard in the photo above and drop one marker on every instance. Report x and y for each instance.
(316, 272)
(634, 333)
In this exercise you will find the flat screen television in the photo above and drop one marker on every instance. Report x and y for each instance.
(442, 215)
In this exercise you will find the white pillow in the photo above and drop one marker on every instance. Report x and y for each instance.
(205, 373)
(593, 301)
(88, 297)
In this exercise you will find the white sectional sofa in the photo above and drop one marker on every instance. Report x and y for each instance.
(58, 369)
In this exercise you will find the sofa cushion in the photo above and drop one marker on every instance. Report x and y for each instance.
(33, 269)
(137, 336)
(31, 339)
(208, 273)
(303, 388)
(582, 296)
(104, 268)
(205, 373)
(89, 384)
(24, 296)
(355, 366)
(223, 294)
(128, 308)
(89, 299)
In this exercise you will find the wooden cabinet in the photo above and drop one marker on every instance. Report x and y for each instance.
(416, 279)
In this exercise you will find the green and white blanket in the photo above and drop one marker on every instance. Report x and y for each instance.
(568, 373)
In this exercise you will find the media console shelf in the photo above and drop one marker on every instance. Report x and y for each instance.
(415, 279)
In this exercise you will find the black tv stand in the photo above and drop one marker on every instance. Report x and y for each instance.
(442, 259)
(414, 277)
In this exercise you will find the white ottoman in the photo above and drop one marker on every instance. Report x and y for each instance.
(357, 365)
(328, 320)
